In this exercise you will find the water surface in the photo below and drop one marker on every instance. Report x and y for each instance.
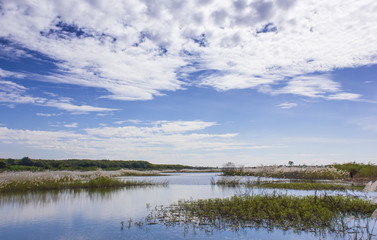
(96, 214)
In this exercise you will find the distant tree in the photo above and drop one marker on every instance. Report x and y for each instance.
(229, 166)
(229, 169)
(11, 161)
(290, 163)
(3, 164)
(26, 162)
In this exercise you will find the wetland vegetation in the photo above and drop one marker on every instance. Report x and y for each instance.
(258, 206)
(359, 170)
(320, 214)
(305, 173)
(343, 215)
(330, 172)
(28, 181)
(237, 182)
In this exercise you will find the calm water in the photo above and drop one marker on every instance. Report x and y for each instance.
(96, 214)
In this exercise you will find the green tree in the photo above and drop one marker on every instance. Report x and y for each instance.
(3, 164)
(26, 162)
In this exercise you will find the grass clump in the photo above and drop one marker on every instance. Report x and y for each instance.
(309, 186)
(28, 181)
(311, 213)
(234, 182)
(305, 173)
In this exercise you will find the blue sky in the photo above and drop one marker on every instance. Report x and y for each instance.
(201, 83)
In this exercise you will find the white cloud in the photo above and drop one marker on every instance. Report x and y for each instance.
(137, 49)
(71, 125)
(134, 121)
(344, 96)
(227, 81)
(310, 86)
(158, 128)
(75, 108)
(287, 105)
(48, 114)
(14, 93)
(318, 86)
(7, 86)
(181, 126)
(130, 142)
(5, 74)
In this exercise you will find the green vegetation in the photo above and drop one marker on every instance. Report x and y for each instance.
(27, 164)
(359, 170)
(307, 173)
(288, 185)
(29, 181)
(319, 214)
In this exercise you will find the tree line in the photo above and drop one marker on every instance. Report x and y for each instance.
(82, 164)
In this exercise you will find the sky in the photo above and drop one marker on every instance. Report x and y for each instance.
(196, 82)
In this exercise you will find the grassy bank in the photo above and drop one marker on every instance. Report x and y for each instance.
(288, 185)
(307, 173)
(28, 181)
(311, 213)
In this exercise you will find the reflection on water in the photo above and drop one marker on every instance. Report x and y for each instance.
(20, 199)
(97, 213)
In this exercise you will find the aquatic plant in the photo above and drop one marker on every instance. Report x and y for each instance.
(25, 181)
(320, 214)
(236, 182)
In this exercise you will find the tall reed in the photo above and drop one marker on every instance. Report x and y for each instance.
(309, 173)
(24, 181)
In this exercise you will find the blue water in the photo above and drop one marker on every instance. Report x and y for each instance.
(97, 214)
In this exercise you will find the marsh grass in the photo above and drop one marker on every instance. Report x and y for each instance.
(307, 173)
(237, 182)
(359, 170)
(319, 214)
(126, 173)
(310, 186)
(27, 181)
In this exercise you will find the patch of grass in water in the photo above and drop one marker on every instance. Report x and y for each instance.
(235, 182)
(68, 183)
(310, 186)
(319, 214)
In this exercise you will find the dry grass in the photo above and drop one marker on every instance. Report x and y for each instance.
(200, 170)
(292, 172)
(20, 181)
(330, 185)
